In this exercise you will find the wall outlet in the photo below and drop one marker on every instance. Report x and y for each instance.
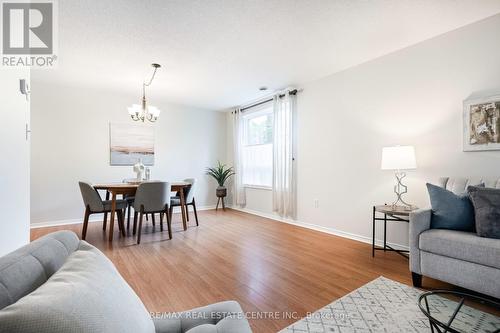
(316, 203)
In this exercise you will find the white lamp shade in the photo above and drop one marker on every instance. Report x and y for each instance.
(153, 110)
(398, 158)
(134, 109)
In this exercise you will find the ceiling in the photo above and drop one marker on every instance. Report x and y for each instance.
(216, 54)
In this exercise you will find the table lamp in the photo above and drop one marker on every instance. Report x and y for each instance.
(399, 158)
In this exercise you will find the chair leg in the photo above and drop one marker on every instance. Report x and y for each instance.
(105, 221)
(195, 212)
(169, 222)
(121, 221)
(187, 211)
(170, 211)
(153, 219)
(129, 207)
(85, 222)
(134, 228)
(118, 220)
(147, 219)
(141, 214)
(161, 221)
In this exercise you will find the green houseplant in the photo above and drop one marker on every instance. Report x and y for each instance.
(221, 173)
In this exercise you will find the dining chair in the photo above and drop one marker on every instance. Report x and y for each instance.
(188, 199)
(151, 198)
(130, 202)
(94, 204)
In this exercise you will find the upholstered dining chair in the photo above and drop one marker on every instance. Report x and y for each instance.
(188, 198)
(130, 202)
(94, 204)
(151, 198)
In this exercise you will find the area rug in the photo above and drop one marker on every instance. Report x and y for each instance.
(384, 305)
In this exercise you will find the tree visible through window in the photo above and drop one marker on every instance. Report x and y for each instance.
(258, 147)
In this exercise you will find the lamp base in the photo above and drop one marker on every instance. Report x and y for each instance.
(400, 189)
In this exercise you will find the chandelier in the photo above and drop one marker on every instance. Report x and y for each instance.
(144, 111)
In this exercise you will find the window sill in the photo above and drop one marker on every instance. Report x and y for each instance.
(258, 187)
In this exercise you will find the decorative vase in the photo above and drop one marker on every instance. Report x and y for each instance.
(221, 192)
(139, 170)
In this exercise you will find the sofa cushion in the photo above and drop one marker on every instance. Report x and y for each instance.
(486, 202)
(223, 317)
(27, 268)
(461, 245)
(449, 210)
(87, 294)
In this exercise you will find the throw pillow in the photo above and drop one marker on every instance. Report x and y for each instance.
(449, 210)
(486, 202)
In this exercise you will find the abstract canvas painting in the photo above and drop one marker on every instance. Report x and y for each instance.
(482, 124)
(131, 142)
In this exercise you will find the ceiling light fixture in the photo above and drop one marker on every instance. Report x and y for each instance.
(144, 111)
(263, 88)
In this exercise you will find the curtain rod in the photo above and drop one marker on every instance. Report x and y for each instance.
(291, 92)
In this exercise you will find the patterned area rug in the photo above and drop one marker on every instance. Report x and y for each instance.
(384, 305)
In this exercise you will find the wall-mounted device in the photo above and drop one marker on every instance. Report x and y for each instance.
(24, 88)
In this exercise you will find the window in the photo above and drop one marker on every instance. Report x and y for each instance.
(258, 146)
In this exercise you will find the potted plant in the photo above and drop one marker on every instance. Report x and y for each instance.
(221, 173)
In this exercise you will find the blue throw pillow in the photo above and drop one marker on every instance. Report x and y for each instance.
(450, 211)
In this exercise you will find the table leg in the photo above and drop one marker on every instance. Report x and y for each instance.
(373, 233)
(385, 232)
(112, 217)
(183, 206)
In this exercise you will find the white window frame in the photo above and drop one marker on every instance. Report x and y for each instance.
(251, 113)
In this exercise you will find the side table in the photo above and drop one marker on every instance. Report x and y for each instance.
(390, 213)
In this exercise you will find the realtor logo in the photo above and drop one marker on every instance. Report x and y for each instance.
(28, 37)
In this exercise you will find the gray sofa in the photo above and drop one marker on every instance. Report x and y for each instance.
(61, 284)
(460, 258)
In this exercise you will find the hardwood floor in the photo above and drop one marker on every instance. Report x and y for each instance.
(265, 265)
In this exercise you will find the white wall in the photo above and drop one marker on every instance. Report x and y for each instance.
(14, 167)
(71, 143)
(413, 96)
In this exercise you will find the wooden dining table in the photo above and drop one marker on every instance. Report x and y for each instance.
(123, 189)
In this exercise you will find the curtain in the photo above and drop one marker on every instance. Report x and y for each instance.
(284, 173)
(239, 190)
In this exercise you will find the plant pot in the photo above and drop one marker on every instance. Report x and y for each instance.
(221, 192)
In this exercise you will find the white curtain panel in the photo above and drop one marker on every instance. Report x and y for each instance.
(284, 184)
(239, 190)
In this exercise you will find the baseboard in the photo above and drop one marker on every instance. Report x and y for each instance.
(316, 227)
(95, 218)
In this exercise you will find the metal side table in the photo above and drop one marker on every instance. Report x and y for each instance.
(390, 213)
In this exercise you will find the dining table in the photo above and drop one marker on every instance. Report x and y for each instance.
(129, 189)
